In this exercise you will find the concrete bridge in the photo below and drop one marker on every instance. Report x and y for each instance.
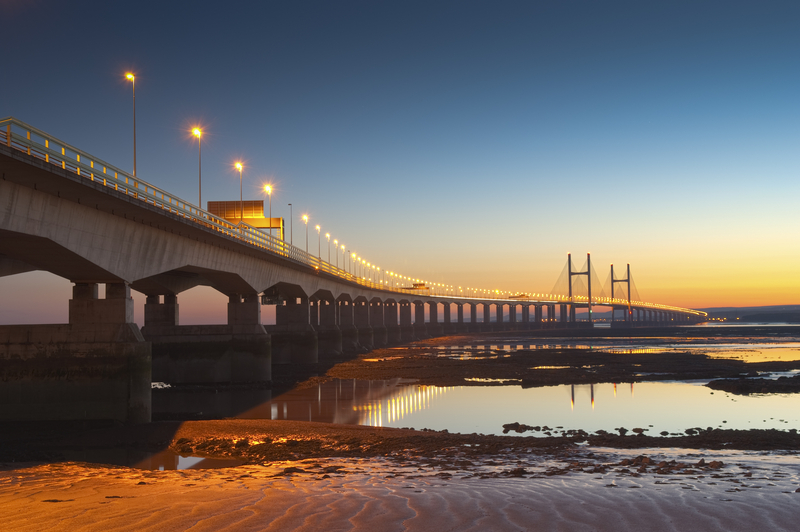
(69, 213)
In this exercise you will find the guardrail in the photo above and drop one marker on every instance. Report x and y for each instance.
(36, 143)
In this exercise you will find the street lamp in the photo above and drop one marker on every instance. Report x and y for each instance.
(197, 132)
(132, 79)
(268, 190)
(305, 219)
(241, 198)
(328, 238)
(344, 258)
(336, 250)
(319, 245)
(352, 258)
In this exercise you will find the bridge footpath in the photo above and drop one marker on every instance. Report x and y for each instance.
(68, 213)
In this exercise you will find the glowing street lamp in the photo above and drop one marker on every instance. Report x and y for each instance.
(305, 219)
(197, 132)
(268, 190)
(241, 197)
(132, 79)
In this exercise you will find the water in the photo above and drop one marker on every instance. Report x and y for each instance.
(658, 407)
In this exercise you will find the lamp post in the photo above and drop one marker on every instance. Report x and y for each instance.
(241, 197)
(352, 258)
(344, 258)
(328, 238)
(291, 226)
(305, 219)
(336, 250)
(319, 244)
(268, 190)
(197, 132)
(132, 79)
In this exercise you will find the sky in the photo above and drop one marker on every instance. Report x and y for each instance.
(472, 143)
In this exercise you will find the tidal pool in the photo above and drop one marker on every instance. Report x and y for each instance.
(655, 406)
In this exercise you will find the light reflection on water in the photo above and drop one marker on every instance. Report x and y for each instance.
(656, 406)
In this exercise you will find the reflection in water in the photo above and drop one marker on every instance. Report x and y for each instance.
(409, 400)
(671, 406)
(748, 350)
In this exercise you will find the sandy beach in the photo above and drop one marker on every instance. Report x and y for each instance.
(523, 492)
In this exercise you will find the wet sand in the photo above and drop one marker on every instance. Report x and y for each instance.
(512, 492)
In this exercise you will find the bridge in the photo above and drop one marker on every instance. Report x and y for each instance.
(69, 213)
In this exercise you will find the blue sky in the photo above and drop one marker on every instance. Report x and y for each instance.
(471, 143)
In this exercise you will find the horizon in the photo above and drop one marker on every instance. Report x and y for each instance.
(465, 143)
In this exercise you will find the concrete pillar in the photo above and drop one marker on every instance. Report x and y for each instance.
(361, 321)
(379, 335)
(420, 330)
(512, 316)
(294, 340)
(157, 313)
(313, 311)
(448, 327)
(97, 367)
(350, 343)
(390, 321)
(240, 351)
(526, 317)
(474, 326)
(499, 317)
(406, 327)
(537, 315)
(329, 335)
(434, 328)
(487, 317)
(562, 313)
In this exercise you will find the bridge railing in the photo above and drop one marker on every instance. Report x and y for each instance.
(36, 143)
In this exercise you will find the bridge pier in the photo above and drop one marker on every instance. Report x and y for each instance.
(499, 312)
(347, 326)
(434, 328)
(474, 326)
(361, 321)
(294, 340)
(97, 366)
(406, 328)
(237, 352)
(390, 321)
(379, 333)
(420, 330)
(329, 336)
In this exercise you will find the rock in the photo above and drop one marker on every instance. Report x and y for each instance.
(638, 430)
(716, 464)
(701, 463)
(622, 431)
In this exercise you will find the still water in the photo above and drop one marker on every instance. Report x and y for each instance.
(656, 406)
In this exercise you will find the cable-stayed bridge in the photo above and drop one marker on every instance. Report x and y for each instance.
(67, 212)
